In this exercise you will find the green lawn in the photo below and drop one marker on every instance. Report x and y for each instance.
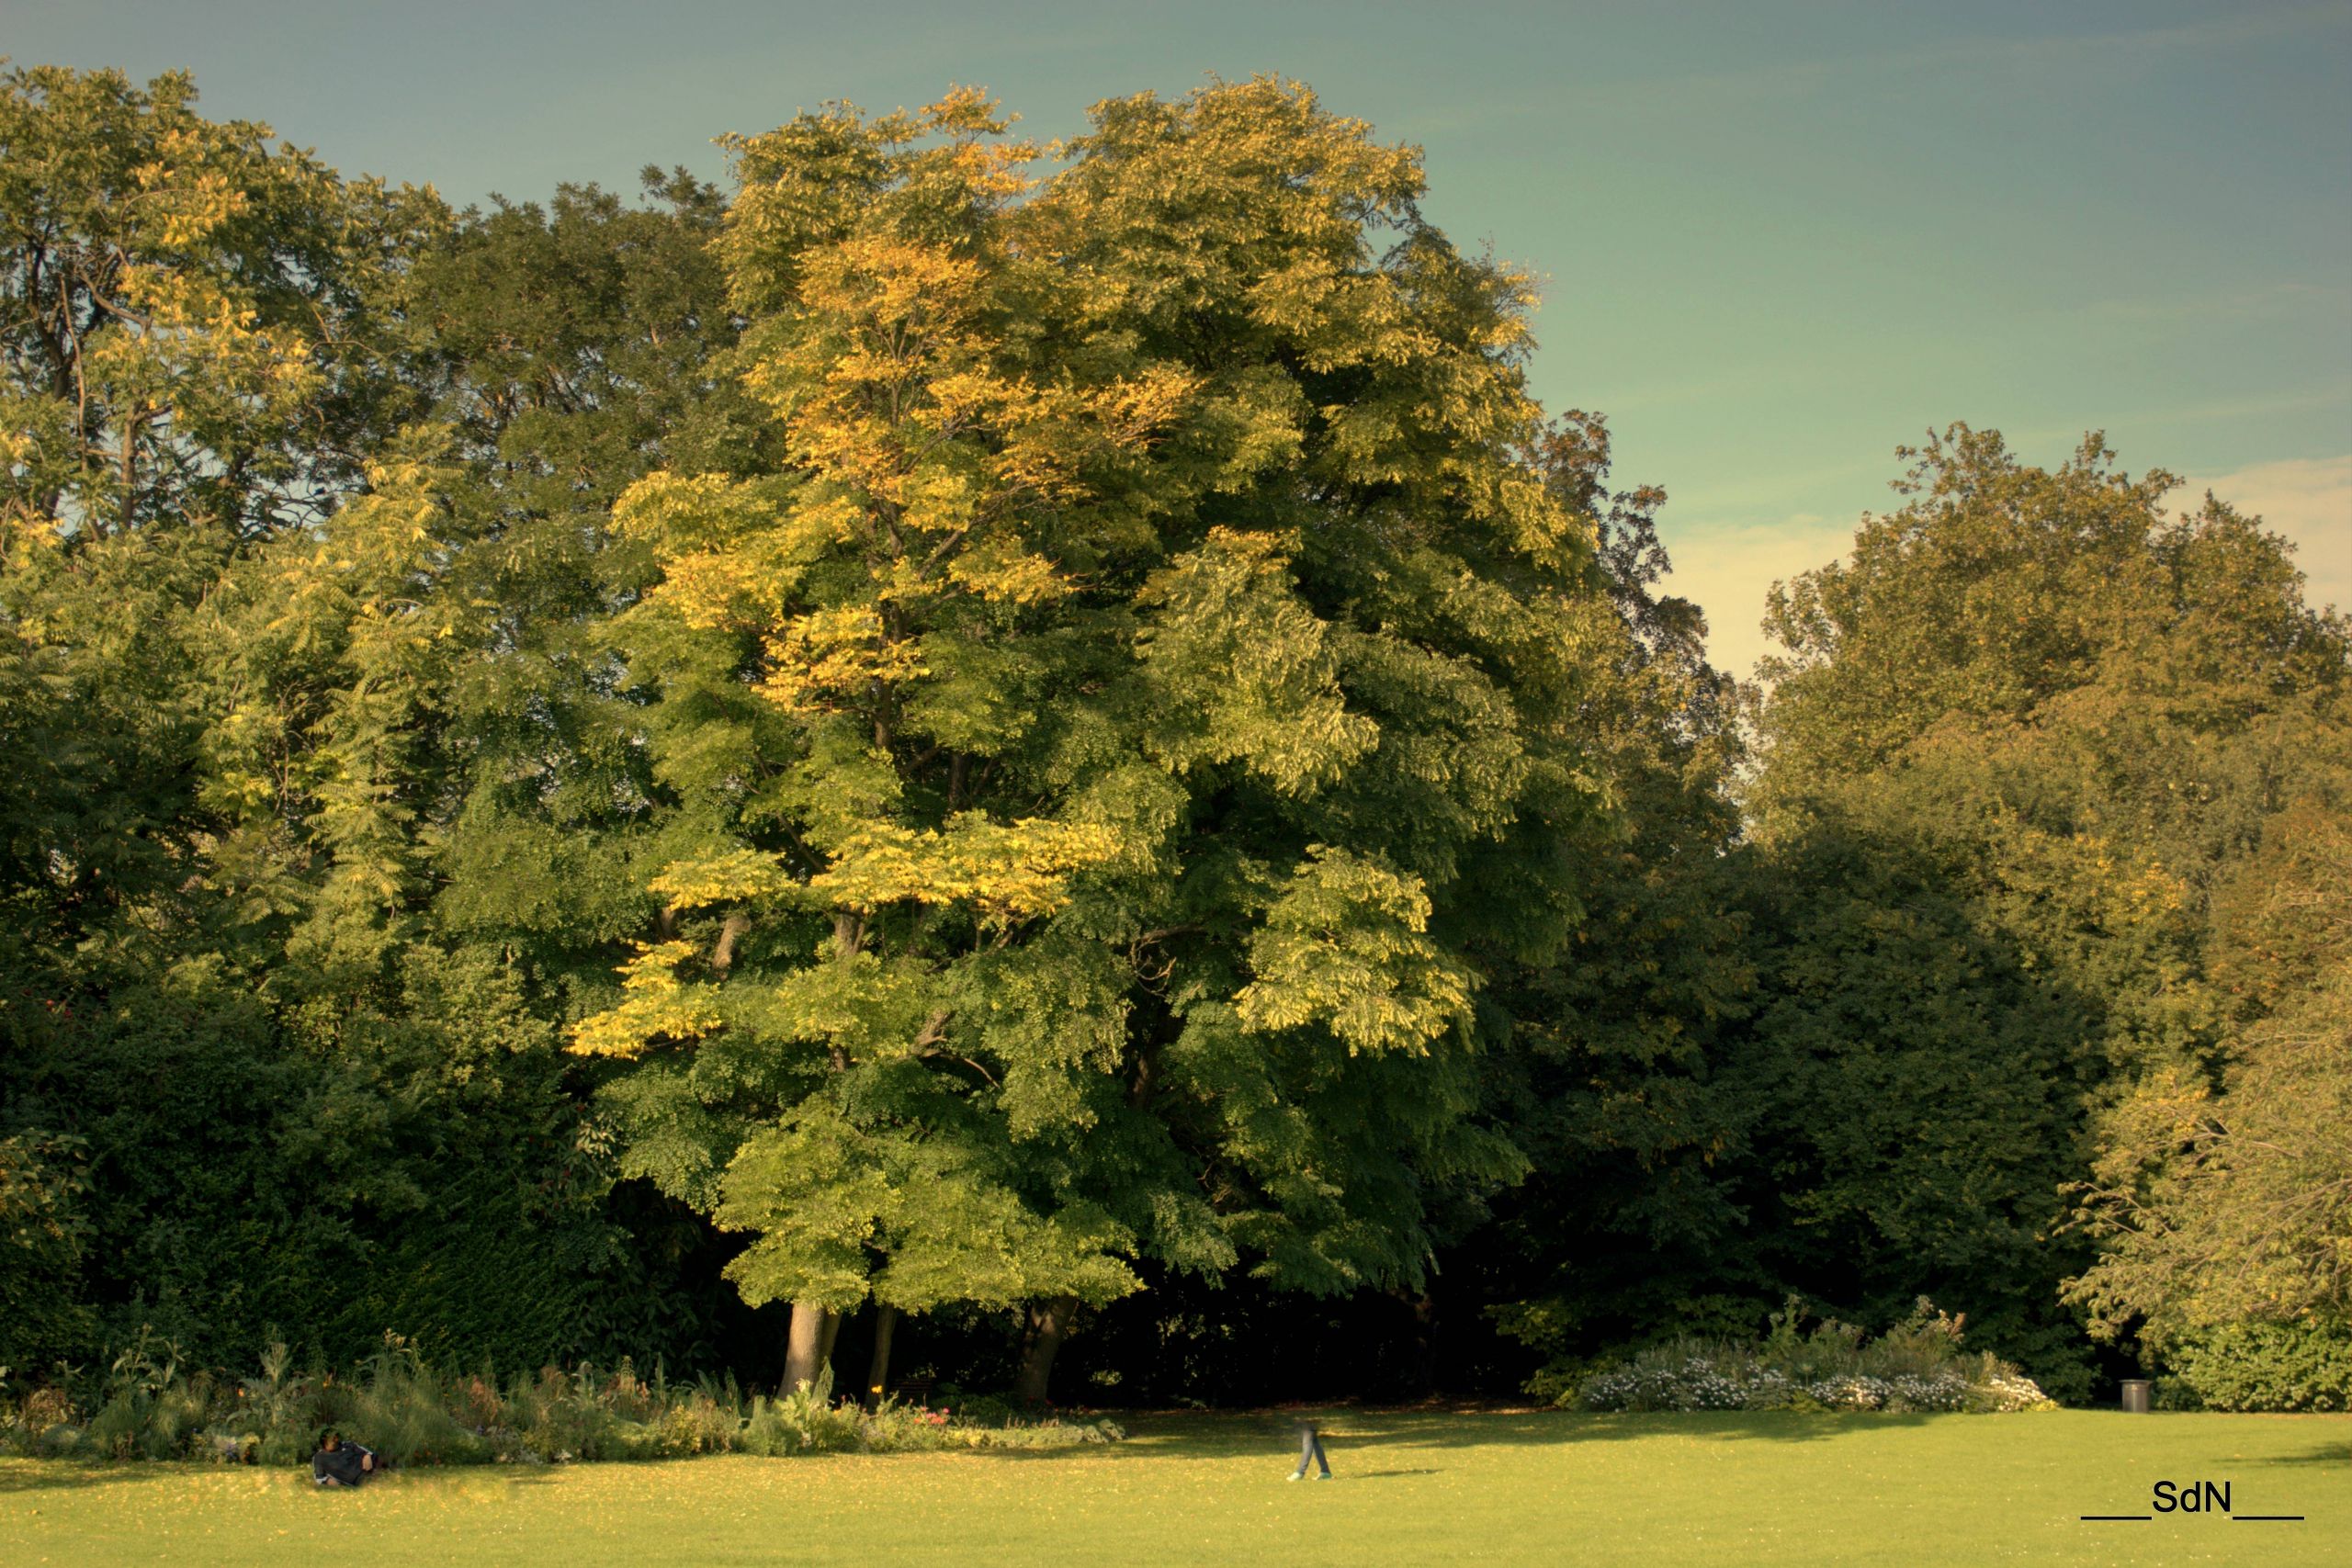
(1413, 1489)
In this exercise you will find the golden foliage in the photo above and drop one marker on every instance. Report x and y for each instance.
(1008, 873)
(827, 655)
(736, 875)
(655, 1005)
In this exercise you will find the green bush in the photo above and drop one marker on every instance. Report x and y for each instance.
(43, 1236)
(977, 1409)
(2261, 1366)
(401, 1412)
(399, 1405)
(149, 1411)
(697, 1423)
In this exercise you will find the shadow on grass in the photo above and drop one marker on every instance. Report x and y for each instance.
(36, 1475)
(72, 1475)
(1393, 1437)
(1378, 1434)
(1353, 1436)
(2338, 1454)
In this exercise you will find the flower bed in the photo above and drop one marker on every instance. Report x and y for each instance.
(1916, 1367)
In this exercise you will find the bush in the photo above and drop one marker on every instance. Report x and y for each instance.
(147, 1407)
(2261, 1366)
(401, 1412)
(976, 1409)
(696, 1425)
(43, 1236)
(1916, 1366)
(149, 1410)
(804, 1421)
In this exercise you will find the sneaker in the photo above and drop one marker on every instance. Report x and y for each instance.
(1296, 1475)
(1325, 1476)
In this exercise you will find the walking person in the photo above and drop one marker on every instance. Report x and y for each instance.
(1310, 1447)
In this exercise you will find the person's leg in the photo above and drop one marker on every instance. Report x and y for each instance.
(1308, 1451)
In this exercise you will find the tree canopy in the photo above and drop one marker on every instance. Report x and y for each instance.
(1033, 737)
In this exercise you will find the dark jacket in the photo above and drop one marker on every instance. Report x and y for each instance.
(340, 1463)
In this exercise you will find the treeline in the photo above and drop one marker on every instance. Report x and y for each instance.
(963, 752)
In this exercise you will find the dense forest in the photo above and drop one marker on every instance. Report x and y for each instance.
(1043, 752)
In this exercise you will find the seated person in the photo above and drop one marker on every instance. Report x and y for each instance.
(338, 1464)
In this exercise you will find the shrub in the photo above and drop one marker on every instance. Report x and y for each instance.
(411, 1414)
(401, 1411)
(803, 1421)
(149, 1410)
(2261, 1366)
(1916, 1366)
(976, 1409)
(697, 1423)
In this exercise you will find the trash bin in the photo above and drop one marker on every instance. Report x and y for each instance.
(2135, 1395)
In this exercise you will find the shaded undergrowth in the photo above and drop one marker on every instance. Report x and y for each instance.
(149, 1406)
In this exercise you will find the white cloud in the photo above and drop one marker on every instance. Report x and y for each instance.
(1726, 568)
(1726, 571)
(2309, 500)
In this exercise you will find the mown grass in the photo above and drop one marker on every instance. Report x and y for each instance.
(1413, 1488)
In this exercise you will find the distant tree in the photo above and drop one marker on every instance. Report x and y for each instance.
(188, 363)
(2033, 723)
(2220, 1205)
(188, 336)
(423, 757)
(1614, 1085)
(190, 366)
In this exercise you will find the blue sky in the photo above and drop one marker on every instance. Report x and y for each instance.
(1777, 239)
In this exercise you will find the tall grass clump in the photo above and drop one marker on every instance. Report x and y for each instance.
(149, 1409)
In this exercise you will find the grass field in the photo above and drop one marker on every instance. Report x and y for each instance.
(1413, 1488)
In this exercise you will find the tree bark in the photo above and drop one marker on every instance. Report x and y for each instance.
(1048, 1326)
(877, 1370)
(1424, 1369)
(730, 932)
(826, 1339)
(810, 1345)
(801, 1357)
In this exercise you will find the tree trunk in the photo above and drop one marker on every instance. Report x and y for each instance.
(802, 1350)
(810, 1345)
(730, 932)
(826, 1339)
(1422, 1373)
(877, 1370)
(1048, 1326)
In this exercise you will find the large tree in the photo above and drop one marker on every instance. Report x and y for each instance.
(191, 364)
(1111, 753)
(294, 698)
(2019, 741)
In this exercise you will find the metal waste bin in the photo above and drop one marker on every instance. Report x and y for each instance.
(2135, 1395)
